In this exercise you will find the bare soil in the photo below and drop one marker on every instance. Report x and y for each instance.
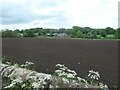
(79, 55)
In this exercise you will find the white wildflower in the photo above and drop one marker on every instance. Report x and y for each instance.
(105, 86)
(18, 80)
(23, 85)
(10, 86)
(102, 86)
(83, 80)
(94, 75)
(59, 65)
(70, 75)
(8, 63)
(29, 63)
(51, 86)
(79, 79)
(35, 85)
(48, 77)
(72, 71)
(16, 65)
(86, 86)
(65, 80)
(56, 86)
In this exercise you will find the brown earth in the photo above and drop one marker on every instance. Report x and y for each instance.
(79, 55)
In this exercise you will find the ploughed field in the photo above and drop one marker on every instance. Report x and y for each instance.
(79, 55)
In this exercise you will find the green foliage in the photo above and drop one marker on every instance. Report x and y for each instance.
(109, 30)
(103, 34)
(29, 33)
(74, 32)
(0, 34)
(78, 34)
(9, 33)
(110, 36)
(117, 34)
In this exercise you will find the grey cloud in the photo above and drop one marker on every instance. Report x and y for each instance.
(12, 14)
(22, 13)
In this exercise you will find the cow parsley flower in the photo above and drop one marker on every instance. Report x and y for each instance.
(65, 80)
(93, 77)
(64, 71)
(35, 85)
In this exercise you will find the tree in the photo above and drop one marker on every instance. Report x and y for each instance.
(29, 33)
(76, 28)
(17, 30)
(109, 30)
(9, 33)
(94, 35)
(61, 30)
(78, 34)
(117, 34)
(73, 33)
(103, 34)
(89, 35)
(0, 33)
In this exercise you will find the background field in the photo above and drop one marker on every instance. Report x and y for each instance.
(80, 55)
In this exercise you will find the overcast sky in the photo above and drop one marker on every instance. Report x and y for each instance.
(23, 14)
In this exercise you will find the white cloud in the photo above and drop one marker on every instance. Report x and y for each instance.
(13, 1)
(92, 13)
(62, 13)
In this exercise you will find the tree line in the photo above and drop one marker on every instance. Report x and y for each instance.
(74, 32)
